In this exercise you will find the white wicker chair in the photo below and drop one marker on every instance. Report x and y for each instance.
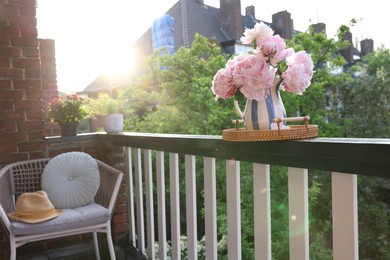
(25, 176)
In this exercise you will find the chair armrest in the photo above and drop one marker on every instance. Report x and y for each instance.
(6, 195)
(110, 181)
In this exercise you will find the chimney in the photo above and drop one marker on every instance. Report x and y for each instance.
(366, 47)
(348, 52)
(319, 28)
(230, 18)
(250, 11)
(282, 24)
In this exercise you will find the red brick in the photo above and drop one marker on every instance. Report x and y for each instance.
(9, 9)
(11, 31)
(118, 219)
(11, 94)
(5, 62)
(36, 155)
(28, 9)
(47, 47)
(36, 135)
(26, 63)
(13, 136)
(23, 21)
(122, 199)
(54, 153)
(123, 189)
(8, 126)
(47, 61)
(27, 84)
(34, 93)
(119, 209)
(49, 73)
(121, 228)
(12, 157)
(5, 40)
(30, 125)
(5, 84)
(6, 105)
(10, 51)
(11, 73)
(30, 52)
(34, 114)
(33, 73)
(30, 32)
(3, 20)
(12, 115)
(32, 2)
(28, 104)
(31, 146)
(8, 148)
(27, 41)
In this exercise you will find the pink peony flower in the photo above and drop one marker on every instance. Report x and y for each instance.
(298, 75)
(273, 48)
(222, 84)
(259, 31)
(254, 76)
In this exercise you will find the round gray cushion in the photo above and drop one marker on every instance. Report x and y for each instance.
(71, 180)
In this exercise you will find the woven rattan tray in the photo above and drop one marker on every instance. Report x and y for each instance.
(293, 132)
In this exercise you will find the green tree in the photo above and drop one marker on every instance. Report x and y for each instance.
(176, 97)
(366, 114)
(320, 100)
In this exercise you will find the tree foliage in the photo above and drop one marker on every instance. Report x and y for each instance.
(176, 97)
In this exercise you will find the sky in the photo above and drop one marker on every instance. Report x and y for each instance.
(93, 37)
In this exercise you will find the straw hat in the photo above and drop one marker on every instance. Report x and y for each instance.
(34, 207)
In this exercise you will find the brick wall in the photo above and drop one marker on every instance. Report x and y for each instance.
(27, 83)
(49, 81)
(21, 113)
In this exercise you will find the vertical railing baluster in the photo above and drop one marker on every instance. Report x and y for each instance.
(233, 209)
(175, 204)
(298, 204)
(130, 197)
(161, 205)
(210, 208)
(139, 200)
(345, 216)
(262, 211)
(192, 240)
(149, 202)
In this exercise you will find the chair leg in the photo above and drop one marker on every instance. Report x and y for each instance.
(109, 242)
(96, 245)
(12, 247)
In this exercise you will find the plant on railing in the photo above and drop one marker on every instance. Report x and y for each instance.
(68, 108)
(67, 111)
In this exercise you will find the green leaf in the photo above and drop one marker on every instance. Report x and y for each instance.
(239, 97)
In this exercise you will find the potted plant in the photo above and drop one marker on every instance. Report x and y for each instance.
(110, 109)
(67, 111)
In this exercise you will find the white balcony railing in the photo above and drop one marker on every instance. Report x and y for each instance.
(157, 156)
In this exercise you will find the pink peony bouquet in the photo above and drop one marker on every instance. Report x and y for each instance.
(255, 73)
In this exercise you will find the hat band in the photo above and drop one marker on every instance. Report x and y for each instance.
(34, 214)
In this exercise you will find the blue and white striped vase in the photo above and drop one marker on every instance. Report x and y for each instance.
(259, 115)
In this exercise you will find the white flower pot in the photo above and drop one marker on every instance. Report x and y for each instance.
(113, 123)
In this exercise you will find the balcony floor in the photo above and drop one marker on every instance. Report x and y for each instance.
(82, 251)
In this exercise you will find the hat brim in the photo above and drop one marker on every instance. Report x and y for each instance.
(53, 214)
